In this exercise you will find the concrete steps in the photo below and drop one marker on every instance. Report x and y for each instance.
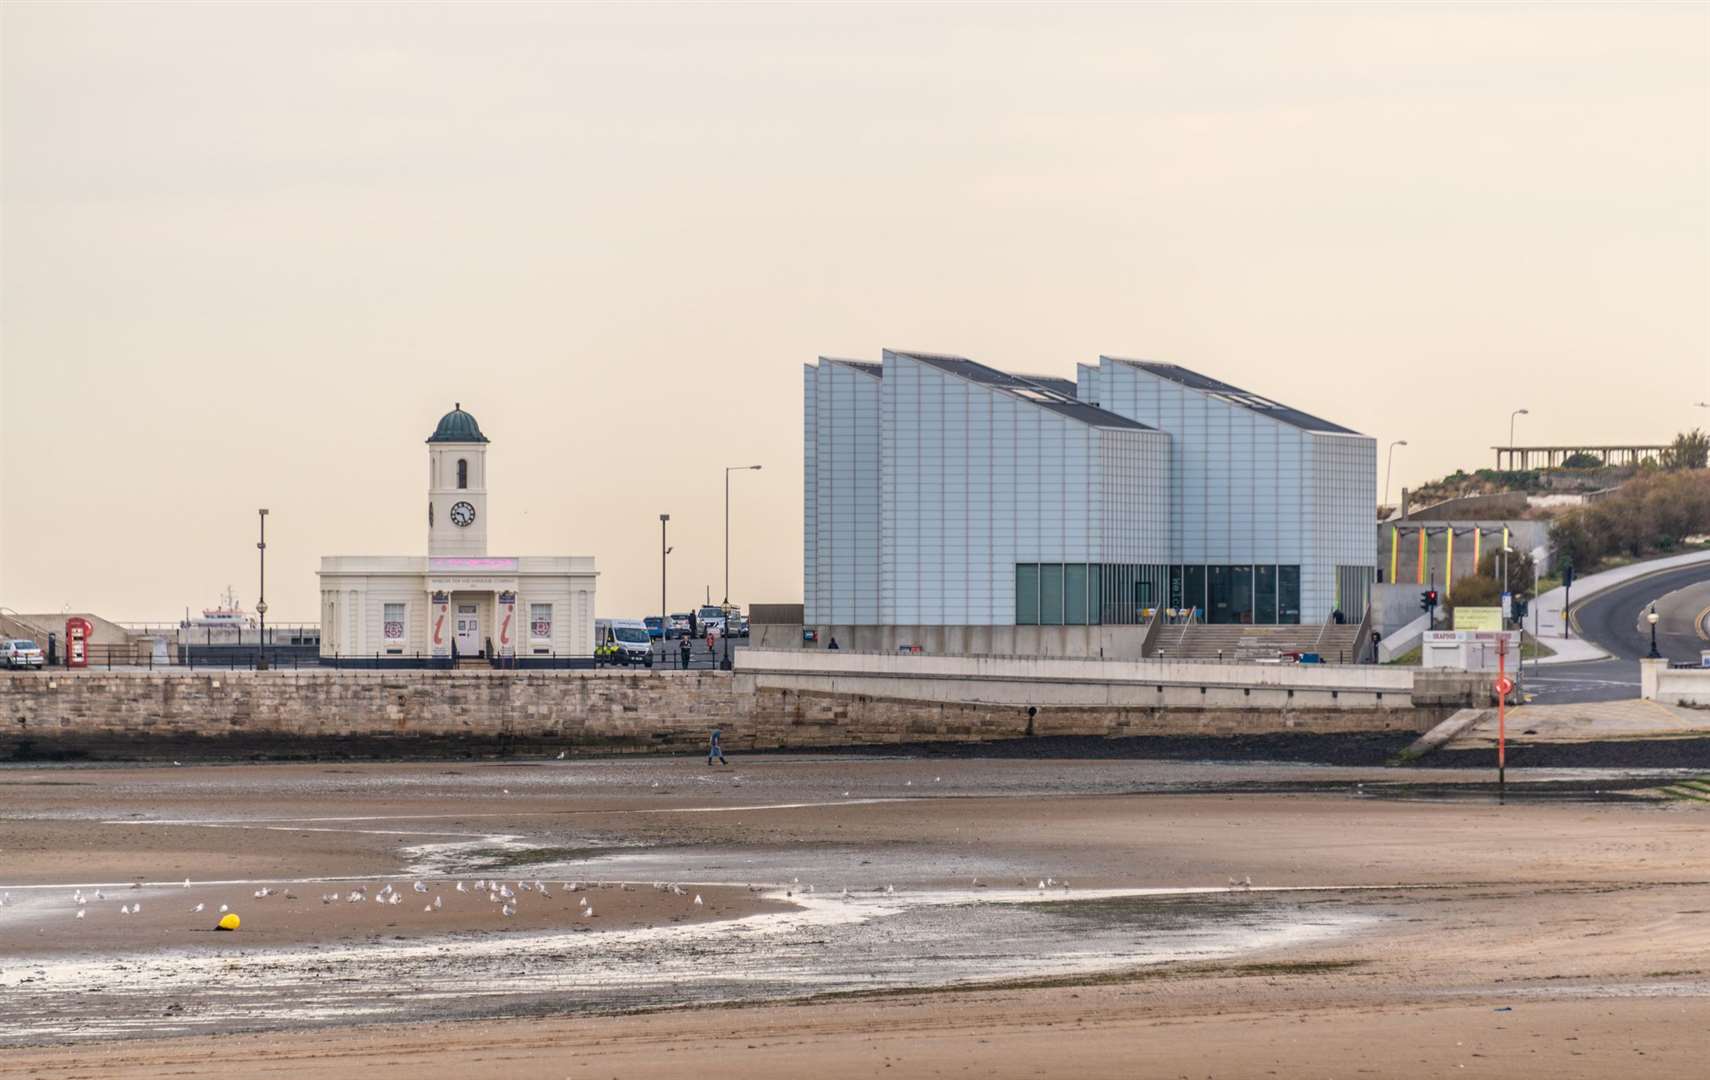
(1211, 642)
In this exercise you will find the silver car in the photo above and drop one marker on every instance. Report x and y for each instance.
(22, 653)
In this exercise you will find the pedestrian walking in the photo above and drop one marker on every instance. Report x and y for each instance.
(714, 750)
(685, 649)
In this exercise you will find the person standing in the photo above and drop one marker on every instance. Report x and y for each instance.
(685, 648)
(714, 750)
(833, 645)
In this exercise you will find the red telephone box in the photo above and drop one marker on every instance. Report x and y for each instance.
(77, 634)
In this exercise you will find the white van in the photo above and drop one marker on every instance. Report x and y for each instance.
(626, 639)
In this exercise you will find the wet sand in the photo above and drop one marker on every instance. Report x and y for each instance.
(1426, 909)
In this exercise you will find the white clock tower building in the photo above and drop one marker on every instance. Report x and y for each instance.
(460, 605)
(457, 487)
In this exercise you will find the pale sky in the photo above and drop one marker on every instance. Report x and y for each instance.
(252, 252)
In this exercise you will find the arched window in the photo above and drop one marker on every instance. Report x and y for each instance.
(462, 473)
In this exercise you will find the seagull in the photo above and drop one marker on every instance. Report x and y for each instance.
(397, 898)
(186, 883)
(355, 898)
(80, 913)
(937, 779)
(588, 912)
(198, 908)
(419, 887)
(507, 911)
(136, 909)
(99, 895)
(436, 903)
(224, 909)
(460, 887)
(698, 900)
(124, 909)
(480, 883)
(81, 900)
(561, 755)
(890, 890)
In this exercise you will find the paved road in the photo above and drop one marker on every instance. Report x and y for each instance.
(1614, 620)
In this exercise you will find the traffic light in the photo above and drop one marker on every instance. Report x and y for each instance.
(1519, 608)
(1428, 600)
(1567, 575)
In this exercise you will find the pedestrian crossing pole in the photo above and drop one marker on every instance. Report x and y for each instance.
(1502, 688)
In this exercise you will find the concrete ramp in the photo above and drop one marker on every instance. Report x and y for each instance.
(1592, 721)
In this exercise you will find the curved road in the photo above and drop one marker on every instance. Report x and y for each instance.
(1614, 620)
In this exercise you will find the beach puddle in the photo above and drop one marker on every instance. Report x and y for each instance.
(826, 944)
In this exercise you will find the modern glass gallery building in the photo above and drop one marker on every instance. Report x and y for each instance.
(959, 508)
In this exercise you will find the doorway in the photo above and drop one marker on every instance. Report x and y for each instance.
(468, 630)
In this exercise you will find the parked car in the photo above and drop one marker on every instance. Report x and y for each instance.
(622, 641)
(741, 629)
(655, 627)
(22, 653)
(710, 617)
(680, 625)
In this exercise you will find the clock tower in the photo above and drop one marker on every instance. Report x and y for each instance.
(457, 487)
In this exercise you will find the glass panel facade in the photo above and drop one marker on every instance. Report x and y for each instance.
(1288, 594)
(1217, 605)
(1241, 594)
(1050, 594)
(1264, 594)
(1193, 588)
(1075, 594)
(1027, 594)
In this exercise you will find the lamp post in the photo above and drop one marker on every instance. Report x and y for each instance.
(1511, 416)
(728, 469)
(664, 619)
(1389, 466)
(1651, 617)
(261, 603)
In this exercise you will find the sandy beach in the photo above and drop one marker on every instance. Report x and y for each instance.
(859, 916)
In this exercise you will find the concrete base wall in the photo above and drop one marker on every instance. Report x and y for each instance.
(1674, 686)
(300, 713)
(1114, 642)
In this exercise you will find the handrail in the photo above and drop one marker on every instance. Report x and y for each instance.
(18, 619)
(1363, 638)
(1329, 621)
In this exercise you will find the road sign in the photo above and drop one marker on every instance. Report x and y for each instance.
(1504, 685)
(1507, 605)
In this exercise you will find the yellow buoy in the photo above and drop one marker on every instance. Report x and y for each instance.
(228, 921)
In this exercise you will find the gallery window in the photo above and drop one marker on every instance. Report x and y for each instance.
(392, 626)
(462, 473)
(540, 622)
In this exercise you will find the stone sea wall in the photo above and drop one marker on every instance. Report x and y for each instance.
(322, 713)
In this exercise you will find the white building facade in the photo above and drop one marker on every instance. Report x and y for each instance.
(459, 602)
(953, 506)
(961, 508)
(1271, 507)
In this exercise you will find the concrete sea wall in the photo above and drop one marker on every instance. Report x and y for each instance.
(139, 714)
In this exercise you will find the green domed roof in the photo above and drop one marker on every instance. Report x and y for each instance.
(457, 426)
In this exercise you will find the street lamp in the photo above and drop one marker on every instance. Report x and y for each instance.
(1651, 617)
(664, 620)
(728, 469)
(261, 603)
(1389, 466)
(1511, 416)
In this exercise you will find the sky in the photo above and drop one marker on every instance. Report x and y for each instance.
(249, 254)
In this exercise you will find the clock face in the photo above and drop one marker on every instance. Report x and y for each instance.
(462, 515)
